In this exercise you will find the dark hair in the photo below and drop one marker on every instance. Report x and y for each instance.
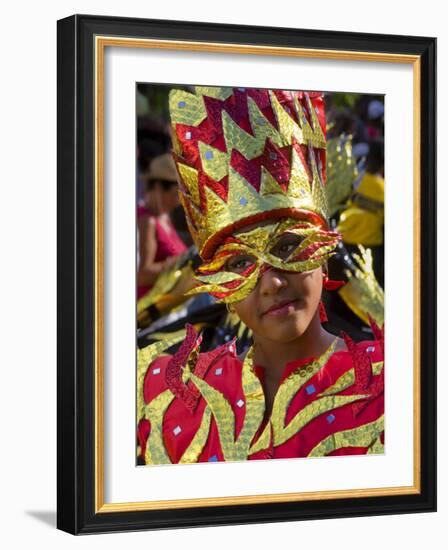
(147, 150)
(166, 185)
(375, 156)
(153, 139)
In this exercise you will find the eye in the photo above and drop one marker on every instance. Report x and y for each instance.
(239, 264)
(285, 246)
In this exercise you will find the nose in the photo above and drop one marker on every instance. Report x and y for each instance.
(272, 281)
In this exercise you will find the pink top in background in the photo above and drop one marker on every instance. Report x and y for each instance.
(168, 242)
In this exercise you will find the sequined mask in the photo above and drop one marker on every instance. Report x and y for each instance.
(287, 245)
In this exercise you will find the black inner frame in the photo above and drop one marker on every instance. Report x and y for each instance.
(76, 262)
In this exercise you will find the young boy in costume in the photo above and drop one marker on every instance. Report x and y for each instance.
(251, 166)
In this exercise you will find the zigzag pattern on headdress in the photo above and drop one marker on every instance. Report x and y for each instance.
(245, 154)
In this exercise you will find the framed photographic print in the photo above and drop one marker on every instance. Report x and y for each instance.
(246, 274)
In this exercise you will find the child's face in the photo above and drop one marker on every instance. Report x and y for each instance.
(282, 305)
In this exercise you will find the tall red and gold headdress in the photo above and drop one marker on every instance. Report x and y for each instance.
(246, 156)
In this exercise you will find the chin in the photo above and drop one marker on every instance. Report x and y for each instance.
(285, 332)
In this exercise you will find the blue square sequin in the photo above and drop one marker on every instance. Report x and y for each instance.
(209, 155)
(213, 458)
(243, 201)
(310, 389)
(181, 104)
(331, 418)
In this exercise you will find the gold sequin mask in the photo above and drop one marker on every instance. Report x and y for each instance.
(287, 245)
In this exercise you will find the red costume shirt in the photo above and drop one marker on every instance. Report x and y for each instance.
(199, 407)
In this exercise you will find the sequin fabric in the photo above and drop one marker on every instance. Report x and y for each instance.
(328, 405)
(363, 436)
(247, 155)
(236, 448)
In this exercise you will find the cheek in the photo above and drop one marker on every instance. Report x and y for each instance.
(245, 309)
(314, 292)
(308, 285)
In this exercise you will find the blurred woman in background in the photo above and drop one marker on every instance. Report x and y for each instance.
(159, 245)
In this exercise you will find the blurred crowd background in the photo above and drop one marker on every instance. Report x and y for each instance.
(166, 255)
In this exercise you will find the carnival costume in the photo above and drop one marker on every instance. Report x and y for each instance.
(251, 166)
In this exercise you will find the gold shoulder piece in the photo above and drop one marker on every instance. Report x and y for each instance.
(363, 294)
(145, 357)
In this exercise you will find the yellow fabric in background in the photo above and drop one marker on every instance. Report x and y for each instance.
(359, 225)
(372, 187)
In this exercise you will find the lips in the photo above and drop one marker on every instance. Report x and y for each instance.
(281, 307)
